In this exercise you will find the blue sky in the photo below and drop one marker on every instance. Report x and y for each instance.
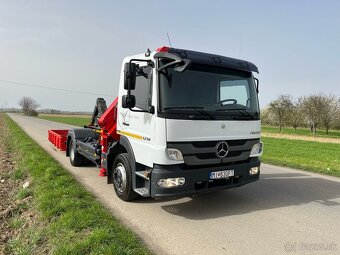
(79, 45)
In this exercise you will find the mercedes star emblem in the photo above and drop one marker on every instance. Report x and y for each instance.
(221, 149)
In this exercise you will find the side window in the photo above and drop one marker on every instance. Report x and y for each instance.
(143, 89)
(236, 90)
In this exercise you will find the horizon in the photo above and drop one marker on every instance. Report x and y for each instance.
(79, 46)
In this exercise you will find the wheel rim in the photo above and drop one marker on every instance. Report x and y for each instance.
(71, 152)
(119, 177)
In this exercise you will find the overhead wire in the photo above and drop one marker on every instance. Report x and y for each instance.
(24, 84)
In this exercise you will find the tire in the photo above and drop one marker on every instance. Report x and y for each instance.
(76, 159)
(83, 133)
(122, 178)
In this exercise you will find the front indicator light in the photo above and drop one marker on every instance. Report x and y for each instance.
(171, 182)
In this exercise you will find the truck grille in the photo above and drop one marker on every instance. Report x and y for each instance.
(204, 152)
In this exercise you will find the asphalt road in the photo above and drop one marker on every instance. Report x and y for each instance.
(286, 212)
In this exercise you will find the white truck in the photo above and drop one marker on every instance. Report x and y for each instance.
(184, 122)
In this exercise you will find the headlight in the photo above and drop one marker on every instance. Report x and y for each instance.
(174, 154)
(171, 182)
(257, 149)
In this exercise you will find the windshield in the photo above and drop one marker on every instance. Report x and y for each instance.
(209, 92)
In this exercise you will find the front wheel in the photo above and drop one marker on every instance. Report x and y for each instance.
(122, 178)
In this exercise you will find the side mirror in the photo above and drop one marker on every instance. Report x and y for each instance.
(130, 76)
(257, 82)
(128, 101)
(151, 109)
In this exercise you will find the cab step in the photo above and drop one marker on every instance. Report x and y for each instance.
(142, 191)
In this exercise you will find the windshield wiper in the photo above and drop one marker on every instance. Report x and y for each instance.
(244, 112)
(199, 109)
(183, 107)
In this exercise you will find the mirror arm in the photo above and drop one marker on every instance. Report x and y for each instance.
(150, 62)
(176, 59)
(151, 110)
(169, 64)
(185, 64)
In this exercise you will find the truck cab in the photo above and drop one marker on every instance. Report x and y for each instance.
(188, 122)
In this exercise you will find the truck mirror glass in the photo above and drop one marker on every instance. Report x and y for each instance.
(257, 82)
(128, 101)
(130, 76)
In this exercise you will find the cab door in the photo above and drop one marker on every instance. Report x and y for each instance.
(139, 127)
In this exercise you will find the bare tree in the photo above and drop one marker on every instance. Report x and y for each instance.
(281, 108)
(29, 106)
(267, 117)
(336, 123)
(328, 111)
(296, 116)
(312, 106)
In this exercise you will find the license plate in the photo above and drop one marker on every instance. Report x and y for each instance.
(221, 174)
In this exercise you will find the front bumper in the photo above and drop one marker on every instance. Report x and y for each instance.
(197, 179)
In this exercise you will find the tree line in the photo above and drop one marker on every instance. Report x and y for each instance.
(314, 111)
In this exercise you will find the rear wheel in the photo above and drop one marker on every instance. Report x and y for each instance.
(76, 159)
(122, 178)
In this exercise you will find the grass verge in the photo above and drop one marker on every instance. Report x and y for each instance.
(312, 156)
(70, 220)
(71, 120)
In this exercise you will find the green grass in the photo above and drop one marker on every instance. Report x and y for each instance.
(22, 193)
(301, 131)
(312, 156)
(18, 174)
(29, 242)
(16, 222)
(71, 120)
(74, 221)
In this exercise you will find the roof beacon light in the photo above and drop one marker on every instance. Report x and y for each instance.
(163, 49)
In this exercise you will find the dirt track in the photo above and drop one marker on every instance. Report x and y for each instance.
(302, 138)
